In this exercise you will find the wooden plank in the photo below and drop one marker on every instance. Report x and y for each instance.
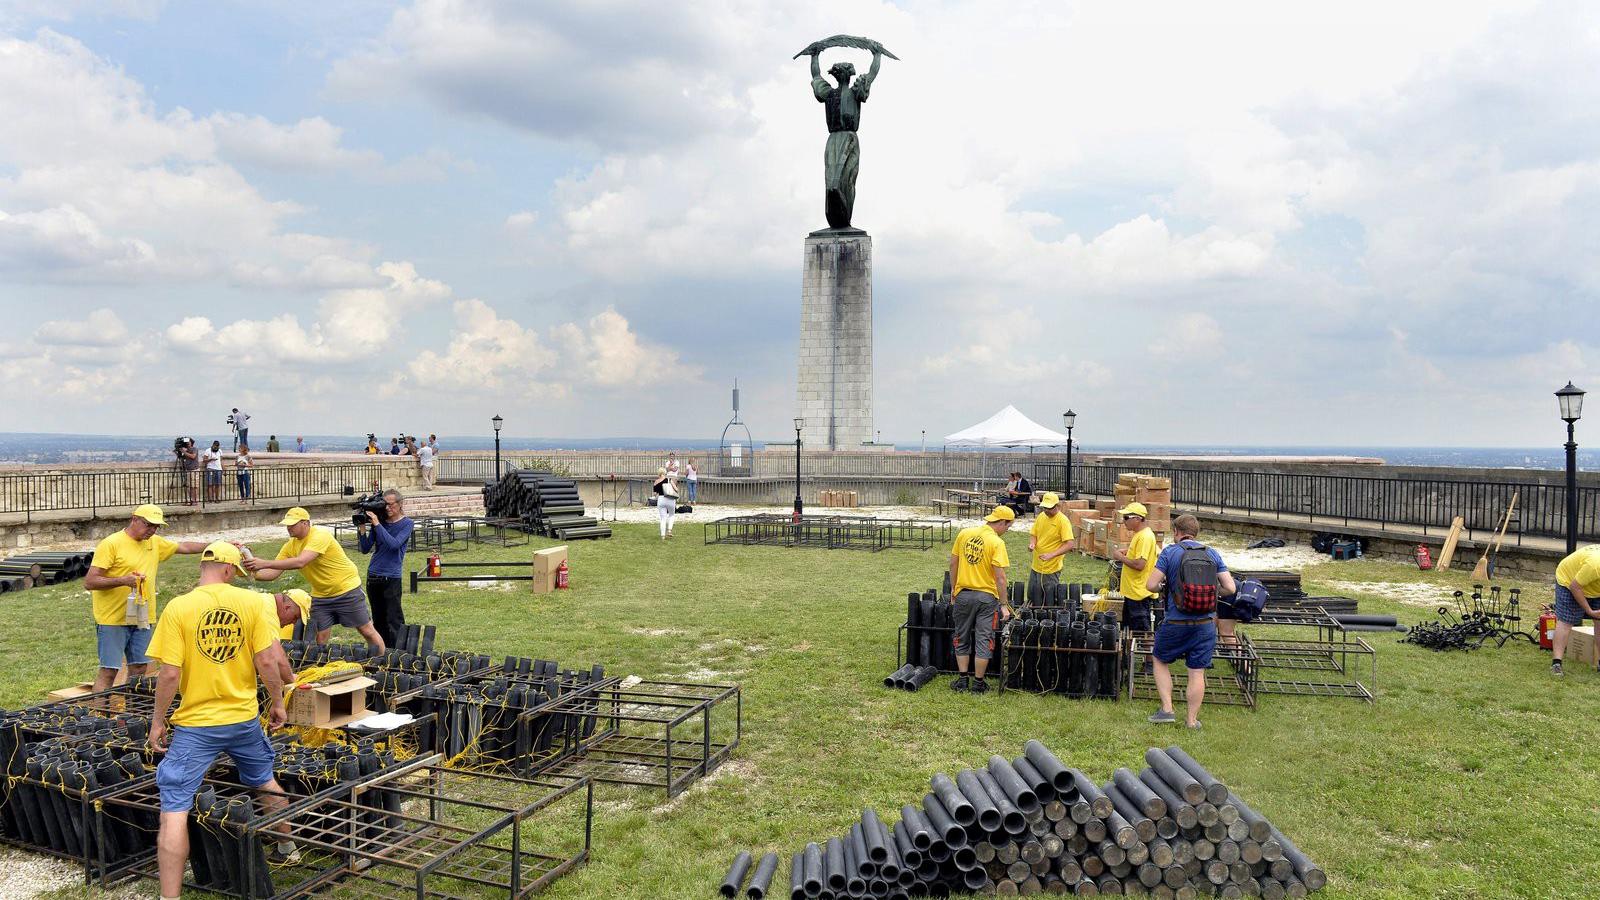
(1450, 541)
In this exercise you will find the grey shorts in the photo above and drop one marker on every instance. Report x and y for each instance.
(975, 616)
(349, 609)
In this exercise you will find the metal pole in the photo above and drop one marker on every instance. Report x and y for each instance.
(1572, 490)
(497, 454)
(1069, 464)
(798, 506)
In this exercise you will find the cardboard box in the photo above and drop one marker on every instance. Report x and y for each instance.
(545, 564)
(70, 693)
(332, 705)
(1076, 504)
(1581, 647)
(1105, 509)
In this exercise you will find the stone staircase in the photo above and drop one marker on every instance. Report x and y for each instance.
(444, 502)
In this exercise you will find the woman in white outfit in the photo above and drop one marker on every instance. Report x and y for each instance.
(666, 491)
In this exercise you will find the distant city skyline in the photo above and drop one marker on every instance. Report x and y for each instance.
(1375, 225)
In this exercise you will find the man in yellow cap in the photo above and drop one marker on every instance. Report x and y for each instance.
(336, 595)
(122, 585)
(1577, 598)
(213, 643)
(1137, 562)
(1048, 540)
(978, 564)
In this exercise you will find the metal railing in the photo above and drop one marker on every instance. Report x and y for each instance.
(771, 463)
(1419, 502)
(29, 494)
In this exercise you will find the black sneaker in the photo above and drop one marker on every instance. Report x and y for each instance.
(960, 684)
(1555, 667)
(979, 686)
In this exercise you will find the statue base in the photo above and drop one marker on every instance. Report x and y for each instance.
(835, 385)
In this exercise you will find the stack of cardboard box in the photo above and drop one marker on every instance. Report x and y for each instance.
(1100, 527)
(845, 499)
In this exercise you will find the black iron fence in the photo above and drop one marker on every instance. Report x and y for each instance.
(769, 463)
(1419, 502)
(29, 494)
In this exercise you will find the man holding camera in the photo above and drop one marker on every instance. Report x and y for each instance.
(336, 596)
(189, 466)
(241, 427)
(386, 540)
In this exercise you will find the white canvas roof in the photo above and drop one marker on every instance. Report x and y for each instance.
(1006, 428)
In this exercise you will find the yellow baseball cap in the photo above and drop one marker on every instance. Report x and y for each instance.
(1049, 501)
(295, 514)
(1136, 509)
(150, 513)
(223, 552)
(1001, 514)
(302, 600)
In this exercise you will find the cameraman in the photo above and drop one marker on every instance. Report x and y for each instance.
(189, 467)
(386, 541)
(241, 426)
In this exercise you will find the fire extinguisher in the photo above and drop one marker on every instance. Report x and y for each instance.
(1424, 558)
(435, 568)
(1547, 631)
(561, 575)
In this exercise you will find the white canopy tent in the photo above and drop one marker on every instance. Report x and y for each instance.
(1006, 428)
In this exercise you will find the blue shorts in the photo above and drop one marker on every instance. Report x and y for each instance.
(118, 644)
(1194, 643)
(194, 749)
(1136, 615)
(213, 476)
(1567, 608)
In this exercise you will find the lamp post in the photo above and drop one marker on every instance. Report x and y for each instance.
(799, 423)
(924, 440)
(1571, 400)
(1069, 418)
(497, 423)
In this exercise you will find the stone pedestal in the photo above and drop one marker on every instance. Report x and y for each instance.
(835, 390)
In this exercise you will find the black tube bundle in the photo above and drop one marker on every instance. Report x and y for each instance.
(1032, 825)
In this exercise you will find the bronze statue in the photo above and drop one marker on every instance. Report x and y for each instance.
(842, 158)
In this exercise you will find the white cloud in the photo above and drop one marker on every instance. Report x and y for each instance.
(309, 144)
(352, 325)
(522, 219)
(101, 328)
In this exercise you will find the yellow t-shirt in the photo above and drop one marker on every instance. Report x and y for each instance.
(212, 634)
(977, 551)
(119, 555)
(1582, 566)
(1049, 533)
(331, 573)
(1142, 546)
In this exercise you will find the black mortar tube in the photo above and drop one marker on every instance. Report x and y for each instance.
(763, 877)
(734, 880)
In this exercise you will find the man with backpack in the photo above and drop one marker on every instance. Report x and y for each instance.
(1191, 577)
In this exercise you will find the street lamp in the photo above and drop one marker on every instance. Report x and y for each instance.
(799, 423)
(497, 423)
(924, 440)
(1069, 418)
(1571, 400)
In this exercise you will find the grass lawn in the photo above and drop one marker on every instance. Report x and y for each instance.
(1473, 776)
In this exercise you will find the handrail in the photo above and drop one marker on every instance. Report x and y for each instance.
(29, 494)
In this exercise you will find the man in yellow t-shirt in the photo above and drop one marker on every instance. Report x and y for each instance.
(122, 585)
(1048, 540)
(336, 595)
(1577, 593)
(212, 642)
(978, 564)
(1136, 562)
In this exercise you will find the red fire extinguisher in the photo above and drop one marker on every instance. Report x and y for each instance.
(1424, 558)
(1547, 631)
(435, 568)
(561, 575)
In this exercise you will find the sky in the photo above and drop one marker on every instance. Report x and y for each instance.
(1245, 223)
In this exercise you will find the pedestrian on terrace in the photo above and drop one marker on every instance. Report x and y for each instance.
(666, 491)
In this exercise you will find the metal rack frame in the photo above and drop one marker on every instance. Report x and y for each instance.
(638, 734)
(832, 532)
(1238, 690)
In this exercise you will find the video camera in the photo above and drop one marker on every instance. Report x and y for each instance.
(373, 503)
(181, 444)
